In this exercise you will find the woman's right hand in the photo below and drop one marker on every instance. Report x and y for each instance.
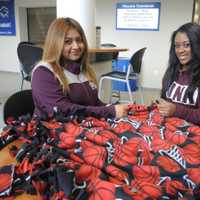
(121, 110)
(166, 108)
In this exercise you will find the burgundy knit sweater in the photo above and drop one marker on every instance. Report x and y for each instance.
(82, 96)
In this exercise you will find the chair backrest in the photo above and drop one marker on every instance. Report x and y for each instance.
(18, 104)
(136, 60)
(28, 55)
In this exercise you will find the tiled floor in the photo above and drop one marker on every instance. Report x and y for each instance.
(10, 83)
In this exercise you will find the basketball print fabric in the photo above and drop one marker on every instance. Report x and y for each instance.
(142, 156)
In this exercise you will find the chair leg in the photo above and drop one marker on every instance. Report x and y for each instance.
(22, 83)
(141, 94)
(129, 91)
(110, 94)
(100, 87)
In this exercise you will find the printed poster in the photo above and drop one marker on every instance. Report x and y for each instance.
(7, 18)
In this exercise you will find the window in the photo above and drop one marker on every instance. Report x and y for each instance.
(38, 20)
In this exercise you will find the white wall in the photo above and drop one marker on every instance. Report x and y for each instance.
(8, 44)
(173, 14)
(84, 12)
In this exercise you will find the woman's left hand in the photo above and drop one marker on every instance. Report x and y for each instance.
(166, 108)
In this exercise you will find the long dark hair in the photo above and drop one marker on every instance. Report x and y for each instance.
(192, 30)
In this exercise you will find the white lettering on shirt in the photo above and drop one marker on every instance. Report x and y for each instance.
(177, 93)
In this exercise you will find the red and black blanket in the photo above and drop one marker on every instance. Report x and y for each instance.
(143, 156)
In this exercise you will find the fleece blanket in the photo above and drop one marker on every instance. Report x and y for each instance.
(143, 156)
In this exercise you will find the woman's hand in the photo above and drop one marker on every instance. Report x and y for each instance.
(121, 110)
(166, 108)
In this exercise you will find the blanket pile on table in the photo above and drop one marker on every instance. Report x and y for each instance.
(142, 156)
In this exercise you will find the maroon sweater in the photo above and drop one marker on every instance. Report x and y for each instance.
(176, 93)
(48, 95)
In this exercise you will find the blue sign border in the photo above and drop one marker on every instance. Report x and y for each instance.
(7, 18)
(139, 5)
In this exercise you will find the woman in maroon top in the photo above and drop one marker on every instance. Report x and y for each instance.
(181, 82)
(63, 80)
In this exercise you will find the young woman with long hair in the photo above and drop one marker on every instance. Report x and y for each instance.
(63, 80)
(181, 82)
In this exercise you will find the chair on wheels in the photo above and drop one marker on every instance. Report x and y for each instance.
(28, 55)
(132, 73)
(18, 104)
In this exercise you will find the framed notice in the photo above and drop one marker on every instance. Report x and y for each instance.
(7, 17)
(138, 16)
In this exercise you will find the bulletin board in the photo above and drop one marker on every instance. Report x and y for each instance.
(138, 16)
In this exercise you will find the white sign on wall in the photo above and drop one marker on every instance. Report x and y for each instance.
(138, 16)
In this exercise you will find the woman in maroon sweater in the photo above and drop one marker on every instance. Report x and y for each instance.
(63, 80)
(181, 82)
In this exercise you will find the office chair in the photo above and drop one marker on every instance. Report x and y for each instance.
(18, 104)
(28, 55)
(132, 73)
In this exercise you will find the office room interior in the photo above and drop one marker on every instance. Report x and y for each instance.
(80, 154)
(173, 13)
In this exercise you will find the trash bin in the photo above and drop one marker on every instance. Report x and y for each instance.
(121, 64)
